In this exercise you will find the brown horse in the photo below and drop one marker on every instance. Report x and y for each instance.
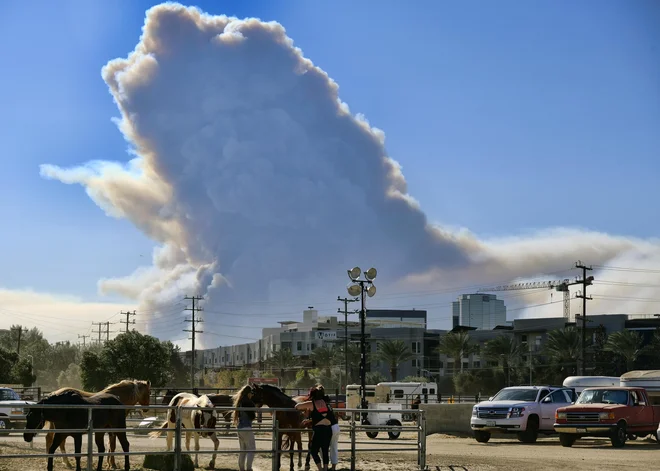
(129, 392)
(274, 397)
(78, 419)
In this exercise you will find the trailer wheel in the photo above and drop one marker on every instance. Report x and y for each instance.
(395, 433)
(370, 434)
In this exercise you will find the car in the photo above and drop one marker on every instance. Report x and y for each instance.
(619, 413)
(523, 410)
(11, 410)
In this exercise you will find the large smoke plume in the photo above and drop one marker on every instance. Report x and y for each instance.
(259, 185)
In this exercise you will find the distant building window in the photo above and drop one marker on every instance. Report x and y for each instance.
(313, 346)
(476, 364)
(466, 365)
(524, 338)
(299, 346)
(415, 363)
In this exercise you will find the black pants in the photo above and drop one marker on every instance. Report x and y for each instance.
(321, 441)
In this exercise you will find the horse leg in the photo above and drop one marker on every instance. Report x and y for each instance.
(125, 447)
(279, 449)
(112, 439)
(216, 443)
(99, 438)
(65, 458)
(77, 446)
(196, 435)
(299, 440)
(309, 447)
(57, 439)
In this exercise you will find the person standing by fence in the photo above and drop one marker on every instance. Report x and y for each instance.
(322, 419)
(243, 422)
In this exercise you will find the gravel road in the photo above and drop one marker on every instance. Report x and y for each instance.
(464, 454)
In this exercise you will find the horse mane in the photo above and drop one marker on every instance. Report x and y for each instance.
(131, 385)
(278, 393)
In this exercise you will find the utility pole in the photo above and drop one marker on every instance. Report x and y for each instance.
(346, 301)
(83, 337)
(99, 331)
(128, 315)
(193, 331)
(18, 342)
(107, 331)
(584, 282)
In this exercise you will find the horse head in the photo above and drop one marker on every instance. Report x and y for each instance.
(169, 395)
(203, 417)
(144, 394)
(257, 394)
(34, 421)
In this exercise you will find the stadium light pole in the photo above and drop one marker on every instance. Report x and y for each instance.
(360, 287)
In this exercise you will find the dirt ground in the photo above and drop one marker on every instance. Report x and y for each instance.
(443, 453)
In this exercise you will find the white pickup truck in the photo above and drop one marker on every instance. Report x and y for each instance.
(11, 410)
(523, 410)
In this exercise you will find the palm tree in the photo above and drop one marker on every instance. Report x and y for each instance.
(627, 344)
(504, 349)
(394, 352)
(563, 348)
(324, 357)
(353, 359)
(456, 345)
(283, 360)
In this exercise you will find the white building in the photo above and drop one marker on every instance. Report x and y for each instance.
(482, 311)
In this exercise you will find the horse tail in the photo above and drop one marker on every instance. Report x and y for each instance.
(159, 432)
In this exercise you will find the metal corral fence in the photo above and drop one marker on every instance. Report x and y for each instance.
(354, 427)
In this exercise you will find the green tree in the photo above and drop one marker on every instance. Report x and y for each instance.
(324, 358)
(505, 351)
(282, 360)
(604, 361)
(129, 355)
(563, 350)
(353, 361)
(22, 373)
(456, 345)
(627, 344)
(393, 353)
(375, 377)
(7, 361)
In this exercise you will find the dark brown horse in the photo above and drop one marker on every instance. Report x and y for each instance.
(274, 397)
(129, 391)
(78, 419)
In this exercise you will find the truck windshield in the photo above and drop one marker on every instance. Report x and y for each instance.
(603, 396)
(527, 395)
(9, 395)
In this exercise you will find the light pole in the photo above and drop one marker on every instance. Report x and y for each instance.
(361, 287)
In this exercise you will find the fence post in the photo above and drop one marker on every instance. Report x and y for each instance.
(276, 453)
(90, 439)
(353, 442)
(421, 440)
(177, 438)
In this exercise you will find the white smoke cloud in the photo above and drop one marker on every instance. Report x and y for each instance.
(259, 184)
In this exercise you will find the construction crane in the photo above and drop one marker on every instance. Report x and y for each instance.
(558, 285)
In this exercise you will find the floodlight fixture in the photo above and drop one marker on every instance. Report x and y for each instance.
(370, 274)
(371, 291)
(354, 274)
(354, 289)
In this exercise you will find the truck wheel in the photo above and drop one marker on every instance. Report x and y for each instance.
(395, 433)
(532, 433)
(567, 439)
(5, 425)
(370, 434)
(481, 437)
(619, 436)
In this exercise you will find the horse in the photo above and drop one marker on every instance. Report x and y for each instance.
(78, 419)
(218, 400)
(129, 392)
(191, 419)
(273, 396)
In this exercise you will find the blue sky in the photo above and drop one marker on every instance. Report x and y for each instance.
(505, 117)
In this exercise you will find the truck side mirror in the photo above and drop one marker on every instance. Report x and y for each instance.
(546, 400)
(641, 403)
(491, 398)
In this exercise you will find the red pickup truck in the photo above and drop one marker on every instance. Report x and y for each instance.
(617, 413)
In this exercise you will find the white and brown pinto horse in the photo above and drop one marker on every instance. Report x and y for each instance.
(199, 418)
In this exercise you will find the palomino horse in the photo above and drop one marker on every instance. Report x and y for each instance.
(191, 419)
(129, 392)
(274, 397)
(78, 419)
(218, 400)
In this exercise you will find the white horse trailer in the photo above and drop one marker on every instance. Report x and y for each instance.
(580, 383)
(647, 379)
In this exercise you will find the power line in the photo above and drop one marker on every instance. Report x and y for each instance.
(584, 282)
(83, 337)
(193, 331)
(100, 324)
(128, 315)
